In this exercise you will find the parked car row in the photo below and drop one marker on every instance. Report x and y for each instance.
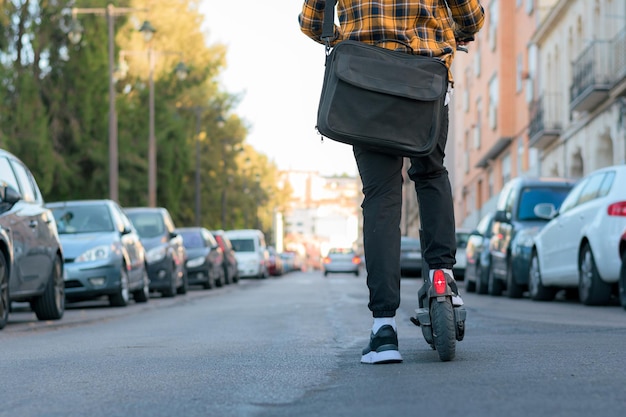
(78, 250)
(551, 235)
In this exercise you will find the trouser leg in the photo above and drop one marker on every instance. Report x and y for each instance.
(434, 197)
(381, 176)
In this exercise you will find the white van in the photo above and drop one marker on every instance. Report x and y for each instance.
(250, 251)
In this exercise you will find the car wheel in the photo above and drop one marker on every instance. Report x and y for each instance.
(470, 286)
(5, 304)
(122, 296)
(325, 273)
(622, 282)
(591, 289)
(513, 289)
(171, 290)
(184, 286)
(494, 285)
(143, 295)
(210, 280)
(227, 279)
(51, 304)
(482, 277)
(536, 289)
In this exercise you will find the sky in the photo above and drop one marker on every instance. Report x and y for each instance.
(278, 71)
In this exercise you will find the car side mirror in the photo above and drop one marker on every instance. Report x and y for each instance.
(545, 211)
(11, 195)
(173, 235)
(501, 216)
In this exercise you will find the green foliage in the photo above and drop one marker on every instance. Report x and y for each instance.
(54, 111)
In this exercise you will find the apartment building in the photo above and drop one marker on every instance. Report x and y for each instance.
(578, 121)
(493, 90)
(541, 93)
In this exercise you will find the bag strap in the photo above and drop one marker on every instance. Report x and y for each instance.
(328, 24)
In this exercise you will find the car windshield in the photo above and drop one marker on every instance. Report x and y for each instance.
(243, 245)
(461, 239)
(147, 224)
(82, 219)
(410, 244)
(341, 251)
(191, 239)
(530, 197)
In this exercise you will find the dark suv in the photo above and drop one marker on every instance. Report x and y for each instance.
(514, 226)
(165, 253)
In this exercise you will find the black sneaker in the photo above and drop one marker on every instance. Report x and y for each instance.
(383, 347)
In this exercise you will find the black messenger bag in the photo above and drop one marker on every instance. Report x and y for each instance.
(388, 101)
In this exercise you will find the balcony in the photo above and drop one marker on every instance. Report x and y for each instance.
(618, 64)
(591, 77)
(545, 121)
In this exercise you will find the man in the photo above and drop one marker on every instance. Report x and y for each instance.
(432, 28)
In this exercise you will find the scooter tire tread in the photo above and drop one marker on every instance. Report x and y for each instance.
(444, 330)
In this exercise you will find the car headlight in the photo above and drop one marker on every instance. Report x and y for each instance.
(95, 254)
(156, 254)
(195, 262)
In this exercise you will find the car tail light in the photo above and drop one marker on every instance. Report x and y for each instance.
(356, 260)
(327, 260)
(439, 282)
(617, 209)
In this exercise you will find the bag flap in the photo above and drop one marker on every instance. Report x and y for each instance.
(411, 76)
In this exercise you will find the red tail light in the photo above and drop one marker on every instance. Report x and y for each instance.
(439, 282)
(356, 260)
(327, 260)
(617, 209)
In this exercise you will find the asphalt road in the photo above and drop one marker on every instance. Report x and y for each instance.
(290, 346)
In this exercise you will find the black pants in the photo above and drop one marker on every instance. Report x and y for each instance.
(381, 175)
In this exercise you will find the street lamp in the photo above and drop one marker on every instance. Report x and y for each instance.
(75, 35)
(181, 71)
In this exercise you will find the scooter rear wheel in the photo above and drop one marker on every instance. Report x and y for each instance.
(444, 330)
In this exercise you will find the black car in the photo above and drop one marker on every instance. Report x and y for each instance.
(31, 256)
(410, 256)
(205, 258)
(514, 226)
(165, 252)
(477, 256)
(103, 252)
(231, 270)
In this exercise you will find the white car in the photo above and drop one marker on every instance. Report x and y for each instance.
(578, 248)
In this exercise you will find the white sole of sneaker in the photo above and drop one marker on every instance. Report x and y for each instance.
(386, 356)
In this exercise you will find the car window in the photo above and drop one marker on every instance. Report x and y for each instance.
(591, 189)
(26, 186)
(461, 239)
(148, 224)
(243, 245)
(606, 185)
(7, 176)
(504, 196)
(531, 196)
(572, 198)
(484, 226)
(208, 237)
(192, 239)
(340, 251)
(82, 219)
(410, 243)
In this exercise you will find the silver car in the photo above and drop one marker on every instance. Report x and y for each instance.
(342, 260)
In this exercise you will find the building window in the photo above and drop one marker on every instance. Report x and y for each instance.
(477, 130)
(530, 6)
(466, 157)
(506, 168)
(520, 156)
(519, 73)
(491, 183)
(477, 55)
(493, 23)
(494, 90)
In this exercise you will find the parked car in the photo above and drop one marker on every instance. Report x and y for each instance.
(292, 261)
(622, 274)
(250, 251)
(477, 256)
(459, 267)
(515, 223)
(103, 253)
(340, 260)
(410, 256)
(31, 256)
(577, 248)
(165, 252)
(205, 258)
(275, 265)
(231, 272)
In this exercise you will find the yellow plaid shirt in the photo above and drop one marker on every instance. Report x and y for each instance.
(429, 27)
